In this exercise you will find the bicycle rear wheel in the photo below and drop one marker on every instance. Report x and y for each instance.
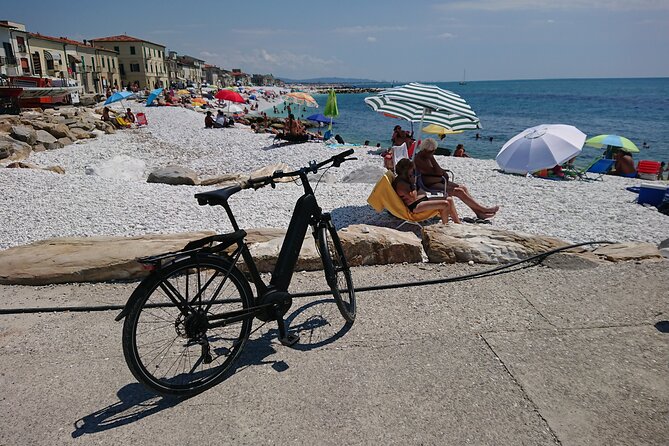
(337, 272)
(172, 349)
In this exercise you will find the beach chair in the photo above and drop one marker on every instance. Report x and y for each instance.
(648, 170)
(140, 119)
(439, 190)
(123, 122)
(398, 153)
(383, 196)
(599, 167)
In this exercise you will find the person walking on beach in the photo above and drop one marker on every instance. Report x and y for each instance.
(434, 176)
(405, 186)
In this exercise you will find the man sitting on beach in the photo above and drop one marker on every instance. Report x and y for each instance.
(433, 176)
(624, 164)
(209, 121)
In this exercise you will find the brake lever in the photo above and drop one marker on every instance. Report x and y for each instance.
(313, 167)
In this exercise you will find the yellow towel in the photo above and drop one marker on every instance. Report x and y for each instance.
(383, 196)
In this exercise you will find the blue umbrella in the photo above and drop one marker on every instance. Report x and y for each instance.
(318, 117)
(119, 96)
(153, 95)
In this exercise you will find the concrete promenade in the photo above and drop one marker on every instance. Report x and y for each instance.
(564, 353)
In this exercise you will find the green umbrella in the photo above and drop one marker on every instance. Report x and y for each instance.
(331, 109)
(602, 141)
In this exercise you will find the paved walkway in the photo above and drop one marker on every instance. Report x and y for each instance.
(546, 355)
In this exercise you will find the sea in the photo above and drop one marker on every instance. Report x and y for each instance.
(637, 109)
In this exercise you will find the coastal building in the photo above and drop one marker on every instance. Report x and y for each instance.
(264, 80)
(141, 63)
(217, 76)
(240, 77)
(81, 63)
(14, 54)
(192, 69)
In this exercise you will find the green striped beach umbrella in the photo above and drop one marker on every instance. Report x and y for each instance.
(415, 113)
(431, 98)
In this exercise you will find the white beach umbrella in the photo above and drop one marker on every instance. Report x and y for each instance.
(540, 147)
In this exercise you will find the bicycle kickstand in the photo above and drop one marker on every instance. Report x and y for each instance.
(287, 339)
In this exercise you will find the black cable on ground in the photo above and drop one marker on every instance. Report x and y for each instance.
(477, 275)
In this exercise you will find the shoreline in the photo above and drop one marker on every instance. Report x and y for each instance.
(45, 205)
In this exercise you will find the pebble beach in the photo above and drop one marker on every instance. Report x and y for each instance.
(104, 190)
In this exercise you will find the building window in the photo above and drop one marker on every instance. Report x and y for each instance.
(117, 50)
(108, 63)
(113, 64)
(103, 62)
(134, 67)
(132, 50)
(83, 64)
(21, 43)
(121, 69)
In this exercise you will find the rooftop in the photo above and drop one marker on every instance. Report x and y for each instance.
(123, 38)
(66, 41)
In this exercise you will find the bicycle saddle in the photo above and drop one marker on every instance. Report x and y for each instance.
(217, 197)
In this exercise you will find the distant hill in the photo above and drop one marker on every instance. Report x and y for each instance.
(329, 80)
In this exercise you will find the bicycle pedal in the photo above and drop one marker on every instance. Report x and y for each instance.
(289, 340)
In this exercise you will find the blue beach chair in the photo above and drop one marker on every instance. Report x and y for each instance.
(599, 167)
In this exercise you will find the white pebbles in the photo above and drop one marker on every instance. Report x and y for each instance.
(104, 190)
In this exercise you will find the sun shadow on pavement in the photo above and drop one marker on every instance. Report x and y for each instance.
(135, 402)
(317, 322)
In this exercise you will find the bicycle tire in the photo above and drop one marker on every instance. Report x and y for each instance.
(160, 355)
(337, 272)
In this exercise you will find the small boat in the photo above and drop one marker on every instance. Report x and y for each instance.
(463, 81)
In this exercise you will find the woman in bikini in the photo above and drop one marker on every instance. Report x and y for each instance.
(405, 187)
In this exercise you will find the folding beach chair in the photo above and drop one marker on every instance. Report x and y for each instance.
(599, 167)
(383, 196)
(648, 170)
(140, 119)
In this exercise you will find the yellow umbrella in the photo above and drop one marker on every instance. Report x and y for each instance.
(183, 92)
(435, 129)
(299, 97)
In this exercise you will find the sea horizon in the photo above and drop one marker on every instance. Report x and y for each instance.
(637, 108)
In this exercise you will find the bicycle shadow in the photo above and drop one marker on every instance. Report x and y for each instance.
(135, 402)
(318, 323)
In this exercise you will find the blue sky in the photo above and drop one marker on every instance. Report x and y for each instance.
(390, 40)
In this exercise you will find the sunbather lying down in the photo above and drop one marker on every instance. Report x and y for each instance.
(404, 185)
(433, 176)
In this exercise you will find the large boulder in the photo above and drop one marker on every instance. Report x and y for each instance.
(64, 141)
(174, 175)
(60, 131)
(7, 122)
(367, 175)
(79, 133)
(24, 133)
(47, 140)
(374, 245)
(481, 244)
(13, 149)
(266, 252)
(86, 259)
(87, 125)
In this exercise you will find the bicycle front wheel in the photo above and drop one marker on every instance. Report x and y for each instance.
(171, 348)
(337, 272)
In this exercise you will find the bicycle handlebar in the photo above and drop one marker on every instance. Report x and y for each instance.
(259, 182)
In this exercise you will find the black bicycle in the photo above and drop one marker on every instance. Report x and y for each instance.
(187, 322)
